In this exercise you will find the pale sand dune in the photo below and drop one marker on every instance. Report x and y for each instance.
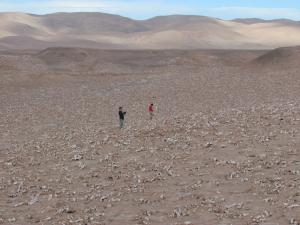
(97, 30)
(21, 24)
(270, 34)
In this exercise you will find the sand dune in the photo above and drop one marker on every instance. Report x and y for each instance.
(98, 30)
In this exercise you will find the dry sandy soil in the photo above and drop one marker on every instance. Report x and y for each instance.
(224, 147)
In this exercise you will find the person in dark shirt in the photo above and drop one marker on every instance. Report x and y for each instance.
(121, 117)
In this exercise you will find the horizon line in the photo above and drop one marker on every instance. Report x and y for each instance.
(163, 15)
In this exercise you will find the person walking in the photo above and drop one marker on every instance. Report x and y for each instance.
(151, 111)
(121, 117)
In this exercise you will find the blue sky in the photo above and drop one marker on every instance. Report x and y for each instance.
(143, 9)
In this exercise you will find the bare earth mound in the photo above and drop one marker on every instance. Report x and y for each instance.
(281, 58)
(77, 60)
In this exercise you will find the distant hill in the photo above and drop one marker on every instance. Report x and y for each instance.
(280, 58)
(106, 31)
(256, 20)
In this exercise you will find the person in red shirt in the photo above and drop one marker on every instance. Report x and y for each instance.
(151, 111)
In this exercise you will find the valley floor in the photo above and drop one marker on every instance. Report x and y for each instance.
(223, 148)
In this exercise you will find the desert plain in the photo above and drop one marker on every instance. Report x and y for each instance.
(223, 147)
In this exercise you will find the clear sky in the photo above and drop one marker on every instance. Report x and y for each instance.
(143, 9)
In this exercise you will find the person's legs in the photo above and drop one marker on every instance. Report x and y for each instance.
(151, 115)
(121, 123)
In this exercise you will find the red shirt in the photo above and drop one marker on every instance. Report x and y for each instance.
(151, 108)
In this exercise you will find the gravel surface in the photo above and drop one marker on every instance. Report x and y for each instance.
(223, 147)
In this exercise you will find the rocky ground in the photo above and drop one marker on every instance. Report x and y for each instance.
(224, 147)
